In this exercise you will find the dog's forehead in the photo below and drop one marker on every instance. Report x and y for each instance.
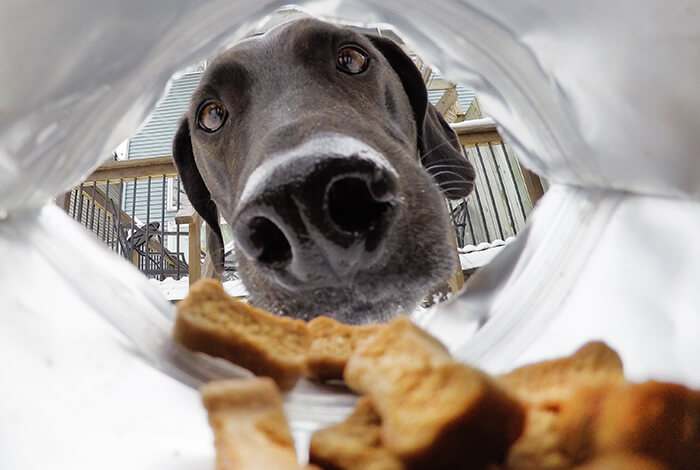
(305, 29)
(309, 32)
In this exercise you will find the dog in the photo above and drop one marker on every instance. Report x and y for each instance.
(319, 147)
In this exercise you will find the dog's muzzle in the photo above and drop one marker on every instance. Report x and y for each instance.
(315, 215)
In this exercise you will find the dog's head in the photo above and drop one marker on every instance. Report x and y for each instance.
(320, 148)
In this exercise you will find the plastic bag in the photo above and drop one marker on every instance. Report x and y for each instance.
(600, 98)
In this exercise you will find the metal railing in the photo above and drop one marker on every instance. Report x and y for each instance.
(132, 207)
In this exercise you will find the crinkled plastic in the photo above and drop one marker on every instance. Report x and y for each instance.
(600, 98)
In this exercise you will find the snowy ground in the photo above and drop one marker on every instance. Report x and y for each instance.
(177, 290)
(470, 257)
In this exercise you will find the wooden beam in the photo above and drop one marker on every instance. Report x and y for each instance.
(103, 202)
(427, 72)
(186, 214)
(476, 131)
(63, 201)
(440, 84)
(140, 168)
(469, 140)
(533, 185)
(420, 64)
(195, 239)
(447, 100)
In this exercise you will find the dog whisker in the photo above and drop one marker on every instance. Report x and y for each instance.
(447, 172)
(433, 150)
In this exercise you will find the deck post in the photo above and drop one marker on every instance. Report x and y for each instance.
(187, 215)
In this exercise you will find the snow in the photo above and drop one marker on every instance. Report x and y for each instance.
(174, 289)
(470, 257)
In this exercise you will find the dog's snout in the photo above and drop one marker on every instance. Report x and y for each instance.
(314, 220)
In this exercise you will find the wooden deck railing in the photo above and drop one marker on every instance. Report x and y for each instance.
(504, 191)
(504, 194)
(105, 212)
(484, 131)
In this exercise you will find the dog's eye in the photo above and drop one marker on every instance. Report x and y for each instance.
(352, 59)
(212, 116)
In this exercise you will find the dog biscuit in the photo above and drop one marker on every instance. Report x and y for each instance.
(332, 343)
(250, 429)
(211, 321)
(546, 388)
(355, 444)
(435, 413)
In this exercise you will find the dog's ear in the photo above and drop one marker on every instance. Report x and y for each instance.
(440, 152)
(191, 179)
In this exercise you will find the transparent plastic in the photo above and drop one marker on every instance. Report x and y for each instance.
(600, 98)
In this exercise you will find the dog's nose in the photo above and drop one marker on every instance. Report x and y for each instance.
(316, 220)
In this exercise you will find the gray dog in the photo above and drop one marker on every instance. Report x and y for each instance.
(320, 148)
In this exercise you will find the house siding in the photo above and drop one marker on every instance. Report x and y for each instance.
(155, 139)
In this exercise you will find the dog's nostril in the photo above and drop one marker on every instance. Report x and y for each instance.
(355, 208)
(382, 187)
(269, 241)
